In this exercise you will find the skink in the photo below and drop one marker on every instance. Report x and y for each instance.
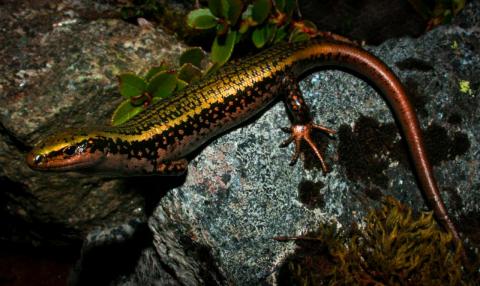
(157, 140)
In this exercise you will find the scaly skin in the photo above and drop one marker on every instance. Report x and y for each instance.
(157, 140)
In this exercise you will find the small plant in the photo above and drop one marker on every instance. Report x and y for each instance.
(264, 22)
(158, 83)
(394, 248)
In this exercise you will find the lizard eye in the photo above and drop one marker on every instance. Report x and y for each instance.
(69, 150)
(38, 159)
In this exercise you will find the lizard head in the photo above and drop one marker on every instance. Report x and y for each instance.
(65, 151)
(92, 151)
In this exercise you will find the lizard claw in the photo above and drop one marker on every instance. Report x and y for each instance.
(301, 133)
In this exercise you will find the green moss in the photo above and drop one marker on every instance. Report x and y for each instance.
(394, 248)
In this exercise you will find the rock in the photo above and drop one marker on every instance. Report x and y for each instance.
(58, 70)
(218, 227)
(150, 272)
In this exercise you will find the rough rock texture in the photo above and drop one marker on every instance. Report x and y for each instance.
(150, 271)
(240, 192)
(57, 70)
(216, 224)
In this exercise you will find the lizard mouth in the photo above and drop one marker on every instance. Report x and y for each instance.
(41, 162)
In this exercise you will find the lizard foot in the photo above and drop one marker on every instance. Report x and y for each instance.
(302, 132)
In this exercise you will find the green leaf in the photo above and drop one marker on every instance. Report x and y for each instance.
(131, 85)
(219, 8)
(280, 34)
(201, 19)
(222, 48)
(124, 112)
(258, 37)
(243, 27)
(213, 68)
(234, 10)
(238, 38)
(261, 9)
(297, 36)
(193, 56)
(263, 35)
(162, 84)
(181, 84)
(310, 24)
(154, 70)
(270, 32)
(189, 73)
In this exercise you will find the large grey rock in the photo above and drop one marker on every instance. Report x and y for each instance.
(240, 192)
(58, 70)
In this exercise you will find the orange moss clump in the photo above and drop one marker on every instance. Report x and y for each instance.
(394, 248)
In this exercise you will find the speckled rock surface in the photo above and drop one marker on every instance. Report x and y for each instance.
(240, 192)
(217, 225)
(58, 69)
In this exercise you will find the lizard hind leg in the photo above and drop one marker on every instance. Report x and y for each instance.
(302, 127)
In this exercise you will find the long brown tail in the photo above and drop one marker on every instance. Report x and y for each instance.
(361, 61)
